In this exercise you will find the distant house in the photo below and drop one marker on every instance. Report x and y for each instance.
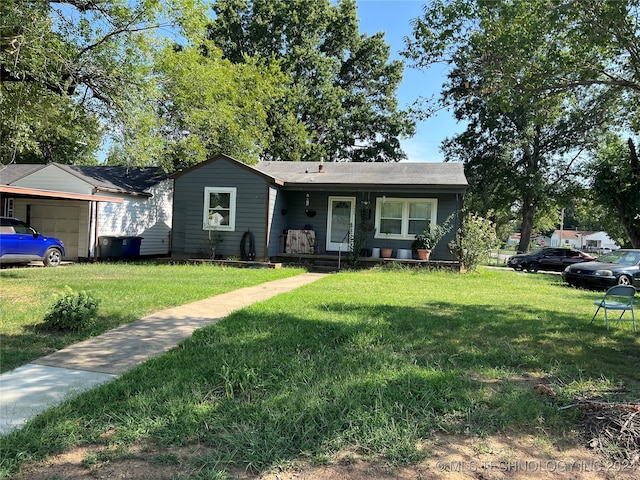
(312, 208)
(82, 204)
(538, 240)
(583, 240)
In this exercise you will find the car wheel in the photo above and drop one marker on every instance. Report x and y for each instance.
(533, 267)
(52, 257)
(624, 280)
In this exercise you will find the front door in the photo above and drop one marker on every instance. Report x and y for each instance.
(340, 223)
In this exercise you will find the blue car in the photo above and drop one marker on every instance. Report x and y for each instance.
(20, 243)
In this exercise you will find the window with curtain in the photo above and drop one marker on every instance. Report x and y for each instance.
(404, 218)
(219, 209)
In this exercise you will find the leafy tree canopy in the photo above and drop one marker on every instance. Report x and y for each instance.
(209, 105)
(343, 84)
(68, 69)
(616, 184)
(81, 71)
(524, 77)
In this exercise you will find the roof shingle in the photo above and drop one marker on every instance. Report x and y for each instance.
(366, 173)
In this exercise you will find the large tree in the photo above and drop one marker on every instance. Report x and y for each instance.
(343, 83)
(139, 74)
(525, 138)
(73, 70)
(208, 105)
(616, 184)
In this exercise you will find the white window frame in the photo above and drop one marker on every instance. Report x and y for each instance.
(8, 207)
(232, 209)
(406, 202)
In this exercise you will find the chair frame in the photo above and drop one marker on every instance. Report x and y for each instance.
(617, 291)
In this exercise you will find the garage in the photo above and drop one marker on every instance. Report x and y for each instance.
(57, 221)
(64, 215)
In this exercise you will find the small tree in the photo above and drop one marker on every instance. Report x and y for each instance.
(215, 239)
(475, 238)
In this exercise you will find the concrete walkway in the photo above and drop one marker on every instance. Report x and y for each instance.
(28, 390)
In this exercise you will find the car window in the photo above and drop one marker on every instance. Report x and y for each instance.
(21, 227)
(621, 258)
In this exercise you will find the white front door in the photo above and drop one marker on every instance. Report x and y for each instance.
(340, 223)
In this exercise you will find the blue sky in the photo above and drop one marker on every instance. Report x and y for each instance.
(393, 17)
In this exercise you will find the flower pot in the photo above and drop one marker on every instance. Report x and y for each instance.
(386, 252)
(423, 254)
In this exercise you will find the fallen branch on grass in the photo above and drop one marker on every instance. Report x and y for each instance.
(613, 428)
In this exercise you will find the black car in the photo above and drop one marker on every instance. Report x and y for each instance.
(548, 258)
(620, 267)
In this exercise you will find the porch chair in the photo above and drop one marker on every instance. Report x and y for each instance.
(618, 298)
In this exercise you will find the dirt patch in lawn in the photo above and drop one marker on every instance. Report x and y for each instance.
(448, 457)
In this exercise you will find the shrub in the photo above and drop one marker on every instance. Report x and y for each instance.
(72, 311)
(476, 237)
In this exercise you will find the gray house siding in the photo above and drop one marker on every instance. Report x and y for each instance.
(297, 218)
(274, 197)
(278, 212)
(252, 205)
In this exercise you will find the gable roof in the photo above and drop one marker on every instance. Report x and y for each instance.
(232, 160)
(113, 179)
(344, 174)
(575, 233)
(15, 171)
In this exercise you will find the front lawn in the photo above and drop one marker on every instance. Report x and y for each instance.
(127, 291)
(370, 362)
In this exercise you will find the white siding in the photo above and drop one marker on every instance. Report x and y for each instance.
(582, 240)
(149, 218)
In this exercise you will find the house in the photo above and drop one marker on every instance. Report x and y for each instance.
(311, 208)
(583, 240)
(537, 239)
(83, 205)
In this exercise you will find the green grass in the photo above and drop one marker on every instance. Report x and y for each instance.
(372, 362)
(127, 292)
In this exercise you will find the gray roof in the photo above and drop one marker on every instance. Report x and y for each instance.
(422, 174)
(115, 179)
(12, 172)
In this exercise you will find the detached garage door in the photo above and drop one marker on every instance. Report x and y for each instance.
(58, 221)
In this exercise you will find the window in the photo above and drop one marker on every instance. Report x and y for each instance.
(404, 218)
(219, 209)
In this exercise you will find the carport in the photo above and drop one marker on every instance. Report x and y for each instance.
(60, 219)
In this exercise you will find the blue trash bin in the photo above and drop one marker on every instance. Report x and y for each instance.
(131, 247)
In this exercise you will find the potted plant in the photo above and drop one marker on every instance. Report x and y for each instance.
(386, 252)
(422, 246)
(429, 238)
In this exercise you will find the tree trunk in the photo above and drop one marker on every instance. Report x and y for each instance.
(634, 217)
(528, 215)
